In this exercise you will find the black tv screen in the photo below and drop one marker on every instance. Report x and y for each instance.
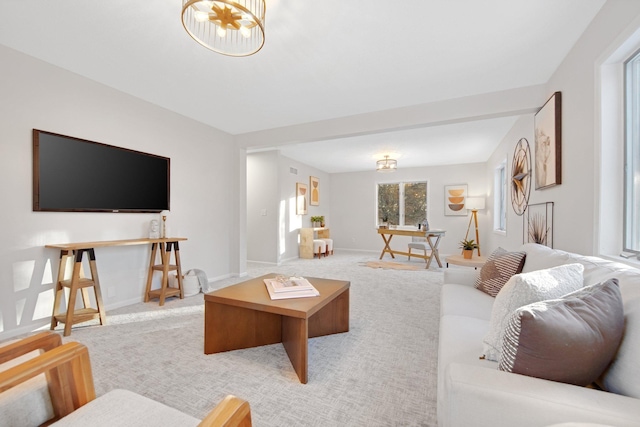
(72, 174)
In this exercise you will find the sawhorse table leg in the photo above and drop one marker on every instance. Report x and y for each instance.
(75, 284)
(387, 247)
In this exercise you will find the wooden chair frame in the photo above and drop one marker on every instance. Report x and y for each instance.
(70, 381)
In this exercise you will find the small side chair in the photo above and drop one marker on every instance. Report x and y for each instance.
(70, 397)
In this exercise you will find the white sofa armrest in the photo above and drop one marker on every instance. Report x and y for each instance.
(486, 397)
(461, 276)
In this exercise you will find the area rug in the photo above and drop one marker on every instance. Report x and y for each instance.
(393, 265)
(380, 373)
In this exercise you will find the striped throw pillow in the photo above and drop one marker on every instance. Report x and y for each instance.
(498, 269)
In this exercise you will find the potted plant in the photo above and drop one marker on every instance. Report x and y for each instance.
(385, 219)
(317, 221)
(467, 248)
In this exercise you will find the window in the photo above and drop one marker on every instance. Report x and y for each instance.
(402, 203)
(500, 198)
(632, 155)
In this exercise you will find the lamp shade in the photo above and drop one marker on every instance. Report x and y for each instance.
(474, 203)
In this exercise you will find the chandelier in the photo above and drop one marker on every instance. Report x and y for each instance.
(386, 165)
(233, 28)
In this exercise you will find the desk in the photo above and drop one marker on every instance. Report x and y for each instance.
(388, 233)
(77, 283)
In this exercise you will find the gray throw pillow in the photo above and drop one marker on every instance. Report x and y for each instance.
(571, 339)
(523, 289)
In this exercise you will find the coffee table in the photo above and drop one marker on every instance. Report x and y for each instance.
(243, 316)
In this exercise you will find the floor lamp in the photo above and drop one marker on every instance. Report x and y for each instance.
(474, 204)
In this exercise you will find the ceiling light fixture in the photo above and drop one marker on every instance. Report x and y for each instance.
(233, 28)
(386, 165)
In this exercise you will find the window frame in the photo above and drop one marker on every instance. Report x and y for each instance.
(500, 198)
(401, 203)
(631, 188)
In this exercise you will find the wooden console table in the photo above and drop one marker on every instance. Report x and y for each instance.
(77, 283)
(384, 232)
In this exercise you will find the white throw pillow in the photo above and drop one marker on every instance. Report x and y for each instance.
(523, 289)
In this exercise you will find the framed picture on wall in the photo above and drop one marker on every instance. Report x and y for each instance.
(314, 196)
(301, 198)
(455, 197)
(548, 134)
(538, 224)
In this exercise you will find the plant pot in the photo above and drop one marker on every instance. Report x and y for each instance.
(467, 253)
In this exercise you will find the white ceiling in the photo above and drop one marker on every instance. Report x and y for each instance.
(322, 60)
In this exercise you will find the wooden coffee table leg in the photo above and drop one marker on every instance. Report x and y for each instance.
(231, 328)
(295, 341)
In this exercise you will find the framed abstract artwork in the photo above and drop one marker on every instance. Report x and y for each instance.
(455, 197)
(314, 196)
(301, 199)
(548, 134)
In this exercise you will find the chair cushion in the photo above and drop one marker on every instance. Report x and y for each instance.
(125, 408)
(572, 339)
(419, 245)
(32, 394)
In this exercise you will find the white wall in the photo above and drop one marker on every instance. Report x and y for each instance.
(290, 223)
(262, 206)
(204, 200)
(271, 188)
(513, 238)
(576, 78)
(353, 201)
(577, 199)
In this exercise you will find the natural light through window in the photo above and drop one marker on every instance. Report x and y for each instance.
(500, 199)
(632, 155)
(402, 203)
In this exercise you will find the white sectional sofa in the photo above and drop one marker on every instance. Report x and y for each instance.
(473, 392)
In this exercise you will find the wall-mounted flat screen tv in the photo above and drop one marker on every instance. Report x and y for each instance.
(75, 175)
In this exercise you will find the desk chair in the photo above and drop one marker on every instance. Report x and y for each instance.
(71, 397)
(419, 243)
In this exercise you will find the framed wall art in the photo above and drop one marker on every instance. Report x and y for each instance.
(301, 198)
(314, 196)
(548, 138)
(455, 197)
(521, 177)
(538, 224)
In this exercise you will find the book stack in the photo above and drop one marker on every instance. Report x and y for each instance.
(290, 287)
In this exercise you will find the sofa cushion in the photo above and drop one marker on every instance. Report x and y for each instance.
(571, 339)
(462, 300)
(540, 257)
(499, 268)
(622, 376)
(523, 289)
(32, 394)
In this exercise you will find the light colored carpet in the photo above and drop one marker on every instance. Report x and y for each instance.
(394, 265)
(380, 373)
